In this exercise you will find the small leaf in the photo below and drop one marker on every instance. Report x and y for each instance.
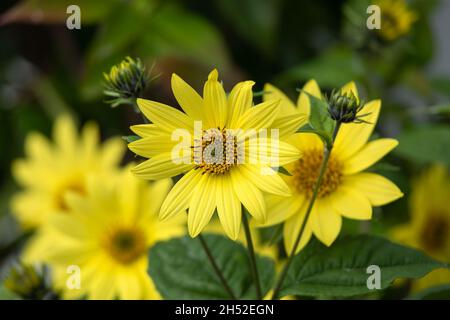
(6, 294)
(180, 269)
(283, 170)
(131, 138)
(341, 270)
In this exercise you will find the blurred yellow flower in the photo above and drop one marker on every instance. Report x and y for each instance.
(429, 226)
(107, 234)
(49, 169)
(345, 191)
(221, 183)
(396, 18)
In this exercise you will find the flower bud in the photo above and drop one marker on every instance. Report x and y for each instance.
(344, 107)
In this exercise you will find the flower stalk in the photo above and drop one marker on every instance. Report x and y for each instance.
(323, 167)
(252, 257)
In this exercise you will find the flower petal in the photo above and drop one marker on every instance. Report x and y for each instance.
(272, 93)
(189, 100)
(326, 222)
(179, 196)
(350, 87)
(151, 146)
(266, 179)
(215, 101)
(228, 207)
(353, 136)
(271, 152)
(165, 117)
(376, 188)
(260, 116)
(303, 104)
(280, 209)
(249, 195)
(351, 203)
(146, 130)
(239, 101)
(368, 155)
(288, 125)
(292, 228)
(159, 167)
(202, 204)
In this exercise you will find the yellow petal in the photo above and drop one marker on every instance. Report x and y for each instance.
(112, 152)
(280, 209)
(215, 101)
(239, 101)
(189, 100)
(351, 203)
(292, 228)
(228, 207)
(249, 195)
(178, 198)
(326, 222)
(272, 93)
(165, 117)
(265, 178)
(202, 204)
(273, 153)
(303, 104)
(151, 146)
(288, 125)
(353, 136)
(260, 116)
(65, 134)
(368, 155)
(376, 188)
(305, 141)
(146, 130)
(160, 167)
(350, 87)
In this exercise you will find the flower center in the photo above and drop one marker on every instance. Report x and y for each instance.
(217, 152)
(307, 169)
(435, 232)
(125, 245)
(76, 186)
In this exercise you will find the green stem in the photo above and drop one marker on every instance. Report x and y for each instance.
(323, 167)
(252, 256)
(216, 268)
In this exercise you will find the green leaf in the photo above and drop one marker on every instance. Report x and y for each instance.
(425, 144)
(441, 292)
(180, 269)
(131, 138)
(341, 270)
(283, 170)
(5, 294)
(336, 66)
(320, 122)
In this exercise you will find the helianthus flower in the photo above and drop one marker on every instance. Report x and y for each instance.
(107, 234)
(219, 180)
(396, 19)
(429, 226)
(346, 191)
(49, 169)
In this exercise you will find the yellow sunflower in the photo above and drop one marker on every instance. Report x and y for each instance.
(49, 169)
(107, 234)
(217, 179)
(429, 226)
(346, 191)
(396, 18)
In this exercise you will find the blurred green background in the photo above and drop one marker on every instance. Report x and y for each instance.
(47, 70)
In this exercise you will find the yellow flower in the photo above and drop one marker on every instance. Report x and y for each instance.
(429, 226)
(396, 19)
(214, 180)
(107, 234)
(51, 169)
(346, 191)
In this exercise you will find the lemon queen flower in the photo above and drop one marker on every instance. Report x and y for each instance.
(429, 226)
(396, 18)
(107, 234)
(51, 169)
(346, 191)
(221, 183)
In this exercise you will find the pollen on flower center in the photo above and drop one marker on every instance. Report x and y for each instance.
(434, 232)
(306, 171)
(125, 245)
(218, 151)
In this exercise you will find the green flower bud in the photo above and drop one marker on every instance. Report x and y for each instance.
(125, 82)
(344, 107)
